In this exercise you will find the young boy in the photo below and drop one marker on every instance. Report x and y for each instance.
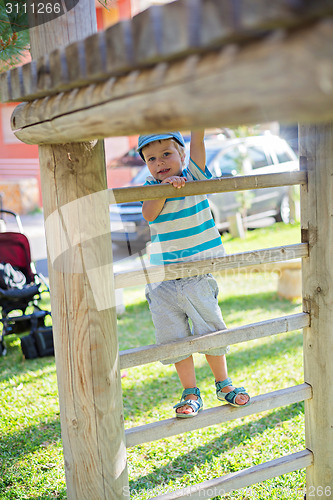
(182, 229)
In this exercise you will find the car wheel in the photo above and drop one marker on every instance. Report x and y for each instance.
(130, 247)
(284, 211)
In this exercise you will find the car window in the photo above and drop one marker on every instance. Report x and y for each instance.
(257, 157)
(229, 162)
(282, 153)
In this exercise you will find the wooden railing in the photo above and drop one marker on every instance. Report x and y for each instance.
(223, 338)
(230, 65)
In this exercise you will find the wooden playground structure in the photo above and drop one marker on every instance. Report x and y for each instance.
(188, 64)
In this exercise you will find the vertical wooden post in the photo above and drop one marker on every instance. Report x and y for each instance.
(77, 224)
(316, 156)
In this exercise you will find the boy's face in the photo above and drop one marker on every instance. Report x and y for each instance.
(163, 159)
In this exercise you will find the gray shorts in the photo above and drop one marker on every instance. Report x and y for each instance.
(172, 303)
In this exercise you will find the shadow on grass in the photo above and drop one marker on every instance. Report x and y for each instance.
(13, 448)
(149, 394)
(239, 302)
(205, 454)
(28, 440)
(14, 364)
(60, 495)
(235, 310)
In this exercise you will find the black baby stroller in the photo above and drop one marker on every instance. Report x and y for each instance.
(20, 288)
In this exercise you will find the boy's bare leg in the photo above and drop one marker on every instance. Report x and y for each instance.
(186, 374)
(218, 365)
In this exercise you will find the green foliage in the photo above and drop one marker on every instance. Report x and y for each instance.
(246, 131)
(14, 36)
(243, 198)
(14, 31)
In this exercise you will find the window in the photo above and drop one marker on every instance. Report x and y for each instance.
(283, 154)
(230, 162)
(258, 157)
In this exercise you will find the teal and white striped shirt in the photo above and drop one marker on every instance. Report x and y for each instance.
(185, 230)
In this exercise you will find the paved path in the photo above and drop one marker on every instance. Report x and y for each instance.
(33, 228)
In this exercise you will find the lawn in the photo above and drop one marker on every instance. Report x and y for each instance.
(31, 448)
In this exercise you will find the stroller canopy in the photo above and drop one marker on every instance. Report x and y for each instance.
(15, 249)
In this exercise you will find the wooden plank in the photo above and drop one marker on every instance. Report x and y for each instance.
(316, 157)
(222, 338)
(220, 185)
(225, 413)
(85, 334)
(154, 274)
(243, 478)
(160, 33)
(270, 267)
(250, 75)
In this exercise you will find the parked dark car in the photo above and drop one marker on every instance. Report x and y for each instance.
(129, 159)
(224, 157)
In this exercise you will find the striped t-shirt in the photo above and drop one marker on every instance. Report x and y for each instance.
(185, 229)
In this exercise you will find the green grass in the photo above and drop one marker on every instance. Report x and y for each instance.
(31, 449)
(271, 236)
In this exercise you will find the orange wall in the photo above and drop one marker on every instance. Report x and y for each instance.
(124, 7)
(113, 14)
(10, 147)
(15, 149)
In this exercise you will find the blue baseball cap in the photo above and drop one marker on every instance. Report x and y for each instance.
(144, 140)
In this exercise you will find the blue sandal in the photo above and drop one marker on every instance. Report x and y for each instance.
(195, 404)
(230, 397)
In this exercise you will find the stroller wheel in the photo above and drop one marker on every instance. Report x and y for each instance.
(28, 346)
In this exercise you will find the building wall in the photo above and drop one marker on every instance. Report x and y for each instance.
(19, 168)
(140, 5)
(19, 164)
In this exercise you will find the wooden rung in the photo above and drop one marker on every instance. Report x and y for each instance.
(213, 416)
(242, 478)
(154, 274)
(160, 33)
(220, 185)
(222, 338)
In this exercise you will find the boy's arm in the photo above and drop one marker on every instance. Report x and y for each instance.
(152, 208)
(197, 148)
